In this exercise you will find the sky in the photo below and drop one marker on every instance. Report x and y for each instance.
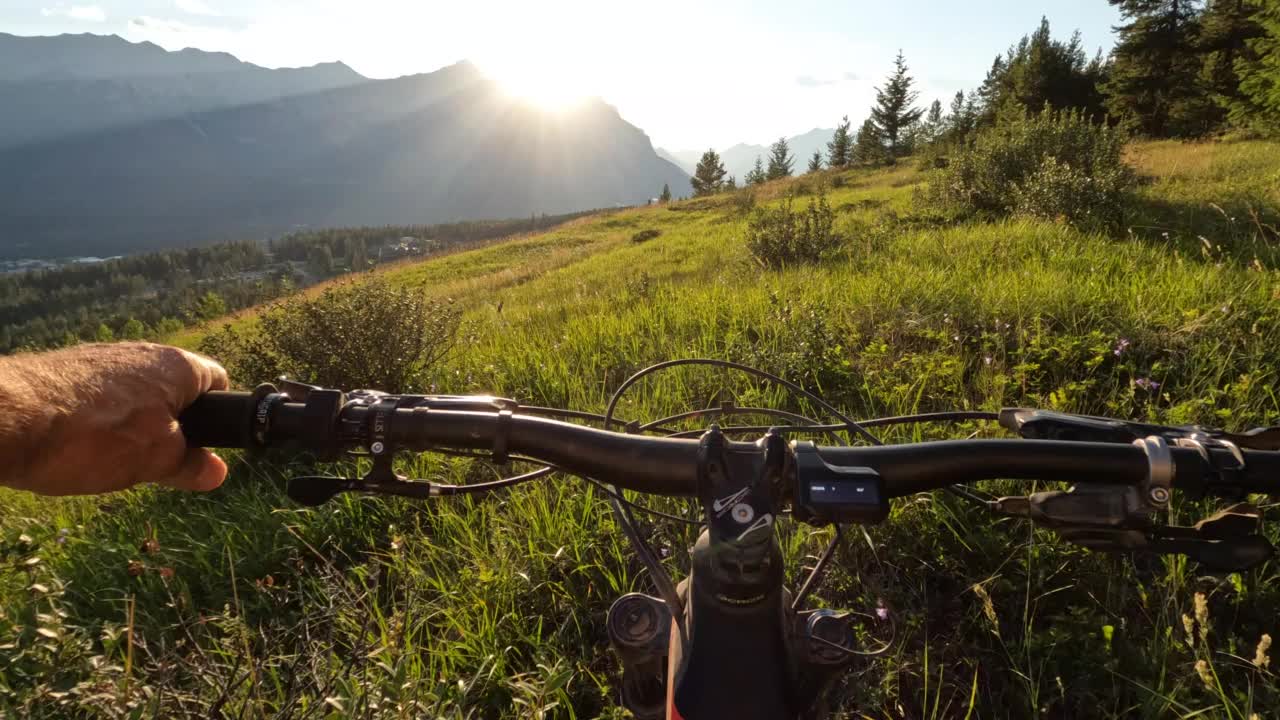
(692, 73)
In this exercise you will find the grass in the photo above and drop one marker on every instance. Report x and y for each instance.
(247, 605)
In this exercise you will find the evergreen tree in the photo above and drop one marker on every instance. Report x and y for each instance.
(868, 147)
(1258, 104)
(665, 197)
(756, 176)
(709, 175)
(210, 306)
(840, 149)
(815, 162)
(934, 124)
(1227, 29)
(895, 109)
(731, 183)
(133, 330)
(780, 160)
(1154, 78)
(962, 117)
(1041, 71)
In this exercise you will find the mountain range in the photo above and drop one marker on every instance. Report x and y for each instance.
(109, 147)
(739, 159)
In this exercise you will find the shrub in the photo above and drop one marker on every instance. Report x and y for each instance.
(781, 236)
(355, 335)
(1060, 191)
(1050, 164)
(644, 235)
(744, 201)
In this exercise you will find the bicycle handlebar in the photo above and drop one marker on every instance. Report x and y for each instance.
(668, 466)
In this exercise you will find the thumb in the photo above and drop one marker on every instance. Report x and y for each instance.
(199, 471)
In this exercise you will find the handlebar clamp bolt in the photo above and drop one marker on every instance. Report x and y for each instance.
(1159, 495)
(377, 448)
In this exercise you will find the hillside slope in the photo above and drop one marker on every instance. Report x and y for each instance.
(494, 609)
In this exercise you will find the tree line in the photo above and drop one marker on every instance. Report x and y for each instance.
(156, 294)
(1179, 69)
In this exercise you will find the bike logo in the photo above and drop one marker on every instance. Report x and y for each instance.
(719, 507)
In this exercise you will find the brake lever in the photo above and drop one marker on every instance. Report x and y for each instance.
(1115, 519)
(1051, 425)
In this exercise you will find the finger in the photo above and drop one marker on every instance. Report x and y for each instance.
(164, 446)
(188, 375)
(216, 374)
(200, 471)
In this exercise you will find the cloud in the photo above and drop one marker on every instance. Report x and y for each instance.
(82, 13)
(813, 81)
(195, 7)
(148, 24)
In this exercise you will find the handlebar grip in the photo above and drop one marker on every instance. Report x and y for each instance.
(218, 419)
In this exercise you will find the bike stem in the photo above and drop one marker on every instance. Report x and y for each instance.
(747, 654)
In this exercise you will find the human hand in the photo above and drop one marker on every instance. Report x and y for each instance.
(99, 418)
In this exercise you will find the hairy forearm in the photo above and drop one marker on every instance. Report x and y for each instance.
(96, 418)
(27, 418)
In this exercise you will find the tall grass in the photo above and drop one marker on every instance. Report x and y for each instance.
(249, 606)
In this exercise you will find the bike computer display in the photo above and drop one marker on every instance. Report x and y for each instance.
(834, 494)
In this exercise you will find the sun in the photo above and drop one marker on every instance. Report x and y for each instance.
(544, 79)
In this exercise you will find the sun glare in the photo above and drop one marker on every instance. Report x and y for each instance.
(541, 81)
(555, 54)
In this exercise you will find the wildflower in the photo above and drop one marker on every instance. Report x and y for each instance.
(1261, 659)
(166, 572)
(986, 359)
(62, 536)
(1190, 626)
(1206, 675)
(1147, 384)
(136, 568)
(988, 608)
(882, 612)
(150, 546)
(1121, 345)
(1202, 615)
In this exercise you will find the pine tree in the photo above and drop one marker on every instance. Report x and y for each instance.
(731, 183)
(133, 330)
(1259, 102)
(868, 147)
(934, 124)
(895, 109)
(1041, 71)
(815, 162)
(756, 176)
(840, 149)
(709, 175)
(1154, 77)
(780, 160)
(1227, 30)
(962, 117)
(665, 196)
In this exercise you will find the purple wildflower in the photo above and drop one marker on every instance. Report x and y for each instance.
(1121, 345)
(882, 612)
(986, 359)
(1147, 384)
